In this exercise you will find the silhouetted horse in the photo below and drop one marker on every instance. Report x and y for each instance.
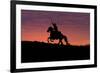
(56, 36)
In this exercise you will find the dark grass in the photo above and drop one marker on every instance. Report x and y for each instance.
(41, 52)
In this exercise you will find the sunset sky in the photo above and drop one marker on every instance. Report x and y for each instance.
(76, 26)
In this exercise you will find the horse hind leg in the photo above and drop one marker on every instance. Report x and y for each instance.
(66, 40)
(61, 42)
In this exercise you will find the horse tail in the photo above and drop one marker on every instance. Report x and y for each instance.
(66, 40)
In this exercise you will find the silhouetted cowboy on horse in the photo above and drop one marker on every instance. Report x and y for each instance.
(55, 34)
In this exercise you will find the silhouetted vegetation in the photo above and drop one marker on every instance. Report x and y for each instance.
(41, 52)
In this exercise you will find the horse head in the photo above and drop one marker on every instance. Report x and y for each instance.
(50, 29)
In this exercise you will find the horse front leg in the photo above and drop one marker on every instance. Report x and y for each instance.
(48, 39)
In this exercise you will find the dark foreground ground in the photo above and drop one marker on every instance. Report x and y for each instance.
(41, 52)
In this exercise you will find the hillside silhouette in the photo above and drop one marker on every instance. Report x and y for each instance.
(40, 52)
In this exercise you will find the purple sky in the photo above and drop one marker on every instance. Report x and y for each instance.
(76, 26)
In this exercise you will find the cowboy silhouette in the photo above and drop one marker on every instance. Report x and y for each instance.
(55, 27)
(56, 31)
(55, 34)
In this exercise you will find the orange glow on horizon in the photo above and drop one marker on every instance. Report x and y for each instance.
(74, 39)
